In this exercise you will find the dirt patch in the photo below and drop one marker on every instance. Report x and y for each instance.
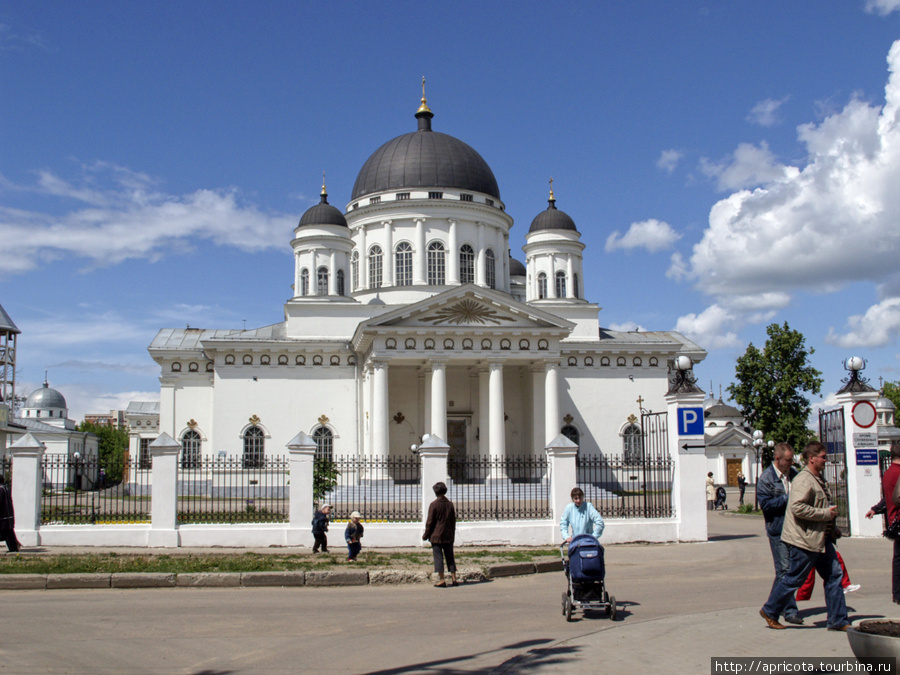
(875, 627)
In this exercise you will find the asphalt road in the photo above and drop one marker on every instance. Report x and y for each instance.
(507, 625)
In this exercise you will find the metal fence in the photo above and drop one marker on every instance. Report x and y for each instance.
(387, 489)
(511, 488)
(77, 492)
(227, 490)
(831, 432)
(628, 488)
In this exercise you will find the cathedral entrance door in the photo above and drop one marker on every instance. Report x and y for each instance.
(457, 431)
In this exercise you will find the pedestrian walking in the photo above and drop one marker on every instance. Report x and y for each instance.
(772, 490)
(320, 527)
(890, 504)
(710, 492)
(808, 528)
(7, 518)
(742, 486)
(581, 517)
(440, 530)
(352, 535)
(805, 591)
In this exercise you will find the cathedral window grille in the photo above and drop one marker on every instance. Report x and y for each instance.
(340, 282)
(466, 264)
(571, 433)
(403, 264)
(560, 284)
(254, 448)
(322, 281)
(632, 444)
(375, 200)
(435, 195)
(465, 198)
(489, 202)
(375, 262)
(190, 450)
(401, 196)
(436, 264)
(324, 444)
(575, 286)
(144, 453)
(490, 269)
(542, 285)
(354, 270)
(304, 282)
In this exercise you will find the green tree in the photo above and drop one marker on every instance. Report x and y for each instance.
(325, 478)
(771, 385)
(892, 391)
(112, 448)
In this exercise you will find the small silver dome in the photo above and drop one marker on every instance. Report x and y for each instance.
(45, 398)
(884, 403)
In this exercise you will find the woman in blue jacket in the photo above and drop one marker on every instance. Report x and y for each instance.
(581, 516)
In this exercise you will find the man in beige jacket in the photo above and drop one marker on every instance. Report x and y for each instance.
(808, 531)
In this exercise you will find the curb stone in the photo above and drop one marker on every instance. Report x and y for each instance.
(341, 578)
(272, 579)
(23, 582)
(209, 579)
(509, 570)
(143, 580)
(84, 580)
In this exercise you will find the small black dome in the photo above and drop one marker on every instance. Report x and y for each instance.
(323, 213)
(424, 159)
(516, 269)
(552, 219)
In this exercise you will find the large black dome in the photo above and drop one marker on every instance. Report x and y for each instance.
(425, 159)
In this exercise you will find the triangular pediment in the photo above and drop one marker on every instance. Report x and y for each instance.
(469, 307)
(730, 436)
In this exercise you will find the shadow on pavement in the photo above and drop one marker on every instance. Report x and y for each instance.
(729, 537)
(455, 664)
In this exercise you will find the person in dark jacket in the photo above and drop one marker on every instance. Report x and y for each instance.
(7, 518)
(320, 527)
(352, 535)
(440, 530)
(890, 505)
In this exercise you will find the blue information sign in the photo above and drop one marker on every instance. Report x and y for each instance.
(690, 421)
(867, 457)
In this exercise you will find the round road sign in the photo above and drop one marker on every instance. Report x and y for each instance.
(863, 414)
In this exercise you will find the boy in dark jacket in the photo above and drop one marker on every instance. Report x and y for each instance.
(320, 527)
(352, 535)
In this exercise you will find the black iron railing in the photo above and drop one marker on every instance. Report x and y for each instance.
(388, 489)
(511, 488)
(628, 488)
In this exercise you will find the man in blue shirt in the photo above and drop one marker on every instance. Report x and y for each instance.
(581, 516)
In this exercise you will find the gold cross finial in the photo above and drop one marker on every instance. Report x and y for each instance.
(323, 184)
(424, 106)
(423, 87)
(640, 402)
(552, 198)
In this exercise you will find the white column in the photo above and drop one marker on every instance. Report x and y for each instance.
(480, 257)
(497, 430)
(419, 255)
(562, 455)
(380, 411)
(551, 281)
(164, 505)
(506, 285)
(433, 455)
(484, 412)
(439, 399)
(551, 400)
(863, 480)
(27, 456)
(302, 451)
(296, 273)
(538, 437)
(367, 411)
(570, 286)
(426, 420)
(388, 268)
(314, 274)
(332, 274)
(453, 253)
(363, 259)
(689, 453)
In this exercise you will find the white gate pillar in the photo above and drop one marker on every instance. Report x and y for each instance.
(164, 503)
(562, 455)
(433, 455)
(687, 446)
(302, 449)
(27, 457)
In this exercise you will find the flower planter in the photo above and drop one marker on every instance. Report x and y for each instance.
(878, 638)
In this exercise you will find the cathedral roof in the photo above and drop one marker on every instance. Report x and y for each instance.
(45, 398)
(6, 323)
(720, 410)
(552, 218)
(323, 213)
(425, 159)
(516, 268)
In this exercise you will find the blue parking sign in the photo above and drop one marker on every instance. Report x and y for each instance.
(690, 421)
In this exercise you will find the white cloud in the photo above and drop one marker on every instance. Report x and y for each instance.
(817, 226)
(748, 167)
(652, 235)
(882, 7)
(880, 325)
(714, 328)
(765, 113)
(119, 215)
(627, 327)
(668, 160)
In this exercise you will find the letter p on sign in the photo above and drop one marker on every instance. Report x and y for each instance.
(690, 421)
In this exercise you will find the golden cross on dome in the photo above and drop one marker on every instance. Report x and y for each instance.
(552, 198)
(323, 183)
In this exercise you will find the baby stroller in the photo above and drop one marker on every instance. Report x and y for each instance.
(585, 572)
(720, 499)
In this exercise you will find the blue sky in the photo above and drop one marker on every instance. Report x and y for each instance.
(729, 164)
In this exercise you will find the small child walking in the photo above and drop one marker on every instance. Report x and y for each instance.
(352, 535)
(320, 527)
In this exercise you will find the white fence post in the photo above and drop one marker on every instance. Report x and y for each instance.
(562, 455)
(433, 454)
(687, 446)
(164, 492)
(27, 457)
(302, 448)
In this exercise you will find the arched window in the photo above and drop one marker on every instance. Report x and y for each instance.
(542, 286)
(632, 445)
(190, 450)
(436, 264)
(490, 269)
(322, 281)
(466, 264)
(340, 282)
(560, 284)
(324, 443)
(572, 434)
(354, 270)
(254, 448)
(304, 282)
(403, 264)
(375, 261)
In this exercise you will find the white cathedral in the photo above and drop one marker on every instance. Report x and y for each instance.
(410, 317)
